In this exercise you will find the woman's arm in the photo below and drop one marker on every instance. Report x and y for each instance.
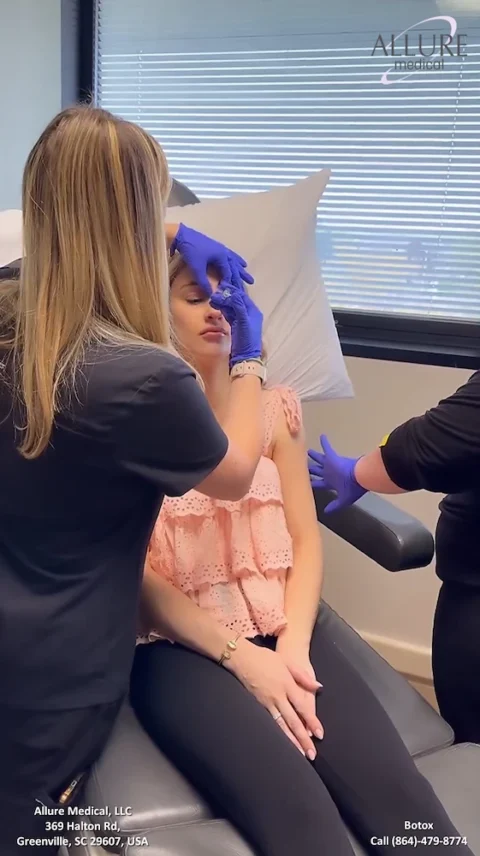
(261, 671)
(439, 452)
(243, 423)
(371, 474)
(304, 580)
(178, 618)
(350, 478)
(171, 230)
(243, 426)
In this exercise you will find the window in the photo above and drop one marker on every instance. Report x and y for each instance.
(277, 90)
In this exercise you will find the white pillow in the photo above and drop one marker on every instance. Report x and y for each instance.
(11, 243)
(275, 232)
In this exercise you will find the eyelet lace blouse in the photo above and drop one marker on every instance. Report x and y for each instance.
(232, 558)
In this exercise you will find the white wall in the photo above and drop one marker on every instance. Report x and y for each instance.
(30, 90)
(394, 611)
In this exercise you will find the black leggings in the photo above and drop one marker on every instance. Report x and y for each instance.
(231, 749)
(456, 659)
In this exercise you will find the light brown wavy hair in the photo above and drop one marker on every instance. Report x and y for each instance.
(95, 188)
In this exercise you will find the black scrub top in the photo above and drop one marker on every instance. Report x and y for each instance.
(75, 523)
(440, 452)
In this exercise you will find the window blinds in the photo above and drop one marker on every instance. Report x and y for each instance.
(398, 228)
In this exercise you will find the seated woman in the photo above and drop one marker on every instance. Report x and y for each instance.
(234, 702)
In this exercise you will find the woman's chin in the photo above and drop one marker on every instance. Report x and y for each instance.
(214, 347)
(210, 355)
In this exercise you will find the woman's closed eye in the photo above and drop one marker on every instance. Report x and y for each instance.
(194, 294)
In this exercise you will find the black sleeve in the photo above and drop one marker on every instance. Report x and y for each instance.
(439, 451)
(170, 436)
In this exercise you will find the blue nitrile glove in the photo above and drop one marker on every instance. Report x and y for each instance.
(199, 252)
(334, 472)
(245, 319)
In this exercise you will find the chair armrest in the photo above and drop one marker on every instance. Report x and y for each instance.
(392, 538)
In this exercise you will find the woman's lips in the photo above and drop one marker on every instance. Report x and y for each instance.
(213, 333)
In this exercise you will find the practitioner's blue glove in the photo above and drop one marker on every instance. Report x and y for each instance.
(334, 472)
(199, 252)
(245, 319)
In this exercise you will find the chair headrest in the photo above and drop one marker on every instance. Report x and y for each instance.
(180, 195)
(11, 271)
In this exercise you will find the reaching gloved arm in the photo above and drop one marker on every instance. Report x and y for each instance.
(348, 477)
(334, 472)
(200, 252)
(245, 321)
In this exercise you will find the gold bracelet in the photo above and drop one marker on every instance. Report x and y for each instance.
(230, 648)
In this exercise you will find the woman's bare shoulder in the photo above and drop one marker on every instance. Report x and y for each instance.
(283, 414)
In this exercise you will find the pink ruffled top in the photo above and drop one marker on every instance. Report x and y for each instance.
(232, 558)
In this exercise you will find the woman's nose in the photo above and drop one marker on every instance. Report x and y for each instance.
(212, 313)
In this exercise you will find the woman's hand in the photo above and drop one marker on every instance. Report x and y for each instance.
(334, 472)
(267, 677)
(297, 660)
(245, 319)
(200, 252)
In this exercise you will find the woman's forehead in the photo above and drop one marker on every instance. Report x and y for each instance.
(185, 278)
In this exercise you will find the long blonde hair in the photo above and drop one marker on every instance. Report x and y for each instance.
(95, 188)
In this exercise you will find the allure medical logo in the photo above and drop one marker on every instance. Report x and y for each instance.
(415, 50)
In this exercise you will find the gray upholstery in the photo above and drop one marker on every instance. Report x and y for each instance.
(210, 838)
(454, 774)
(11, 271)
(420, 726)
(133, 773)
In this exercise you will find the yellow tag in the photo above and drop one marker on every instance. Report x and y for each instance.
(385, 440)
